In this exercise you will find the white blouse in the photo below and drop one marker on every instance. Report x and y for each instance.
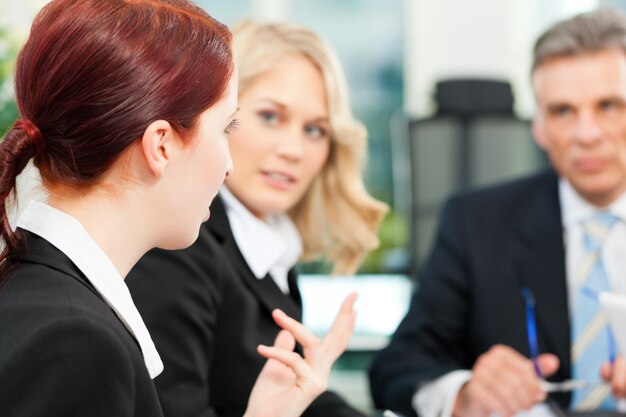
(269, 247)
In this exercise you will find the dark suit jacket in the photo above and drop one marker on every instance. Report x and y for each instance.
(63, 351)
(207, 312)
(490, 244)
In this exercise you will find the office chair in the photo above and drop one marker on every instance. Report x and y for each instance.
(473, 139)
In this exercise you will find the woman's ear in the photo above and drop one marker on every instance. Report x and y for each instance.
(157, 145)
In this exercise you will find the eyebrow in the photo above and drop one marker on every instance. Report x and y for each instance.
(557, 105)
(283, 107)
(560, 104)
(614, 97)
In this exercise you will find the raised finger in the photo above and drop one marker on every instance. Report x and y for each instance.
(303, 335)
(285, 340)
(340, 332)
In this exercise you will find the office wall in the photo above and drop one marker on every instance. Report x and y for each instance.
(480, 38)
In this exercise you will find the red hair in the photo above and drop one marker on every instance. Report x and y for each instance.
(94, 74)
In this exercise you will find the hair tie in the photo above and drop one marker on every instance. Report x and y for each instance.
(33, 133)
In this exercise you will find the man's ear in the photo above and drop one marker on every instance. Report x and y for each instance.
(539, 132)
(157, 145)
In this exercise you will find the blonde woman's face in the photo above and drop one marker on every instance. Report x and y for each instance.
(283, 139)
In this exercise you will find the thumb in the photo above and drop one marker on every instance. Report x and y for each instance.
(285, 340)
(548, 363)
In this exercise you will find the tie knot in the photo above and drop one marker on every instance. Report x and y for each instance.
(597, 229)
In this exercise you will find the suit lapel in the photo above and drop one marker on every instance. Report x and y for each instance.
(292, 280)
(539, 264)
(37, 250)
(266, 290)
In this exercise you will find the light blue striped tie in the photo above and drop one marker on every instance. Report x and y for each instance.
(590, 336)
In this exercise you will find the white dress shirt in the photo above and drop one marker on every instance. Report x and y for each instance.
(269, 247)
(436, 398)
(69, 236)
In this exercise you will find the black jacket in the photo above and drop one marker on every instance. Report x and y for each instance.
(63, 351)
(207, 312)
(489, 245)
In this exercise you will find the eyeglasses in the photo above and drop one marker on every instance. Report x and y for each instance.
(531, 329)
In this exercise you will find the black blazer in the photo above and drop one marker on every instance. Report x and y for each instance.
(63, 351)
(490, 244)
(207, 312)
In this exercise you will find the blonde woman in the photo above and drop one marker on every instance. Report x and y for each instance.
(296, 193)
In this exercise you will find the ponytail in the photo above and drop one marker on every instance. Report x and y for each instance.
(21, 143)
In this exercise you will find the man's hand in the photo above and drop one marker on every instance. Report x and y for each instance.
(504, 382)
(615, 374)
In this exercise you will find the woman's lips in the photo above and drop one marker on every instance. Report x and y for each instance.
(280, 180)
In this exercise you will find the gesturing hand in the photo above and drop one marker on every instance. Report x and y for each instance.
(288, 382)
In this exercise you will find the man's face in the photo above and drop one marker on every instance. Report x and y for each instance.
(581, 121)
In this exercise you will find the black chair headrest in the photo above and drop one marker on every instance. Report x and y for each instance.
(468, 97)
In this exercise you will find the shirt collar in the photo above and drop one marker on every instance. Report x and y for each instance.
(575, 209)
(264, 245)
(70, 237)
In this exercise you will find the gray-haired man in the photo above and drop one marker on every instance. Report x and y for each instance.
(528, 256)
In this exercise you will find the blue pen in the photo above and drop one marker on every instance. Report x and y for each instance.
(531, 328)
(612, 349)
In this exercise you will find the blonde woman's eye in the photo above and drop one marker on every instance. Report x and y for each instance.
(316, 132)
(232, 126)
(269, 117)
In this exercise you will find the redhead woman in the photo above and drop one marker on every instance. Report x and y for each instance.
(296, 193)
(125, 108)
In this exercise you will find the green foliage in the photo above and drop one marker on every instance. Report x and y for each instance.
(389, 257)
(8, 108)
(8, 115)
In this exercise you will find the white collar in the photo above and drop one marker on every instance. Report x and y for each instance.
(575, 209)
(264, 245)
(70, 237)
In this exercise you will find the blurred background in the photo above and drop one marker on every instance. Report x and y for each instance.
(443, 88)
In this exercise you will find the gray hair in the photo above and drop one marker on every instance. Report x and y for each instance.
(587, 32)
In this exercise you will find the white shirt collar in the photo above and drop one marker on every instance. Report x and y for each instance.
(68, 235)
(575, 209)
(271, 247)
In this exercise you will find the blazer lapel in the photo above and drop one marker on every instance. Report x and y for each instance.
(39, 251)
(268, 293)
(539, 264)
(292, 280)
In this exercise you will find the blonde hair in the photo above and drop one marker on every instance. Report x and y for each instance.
(336, 217)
